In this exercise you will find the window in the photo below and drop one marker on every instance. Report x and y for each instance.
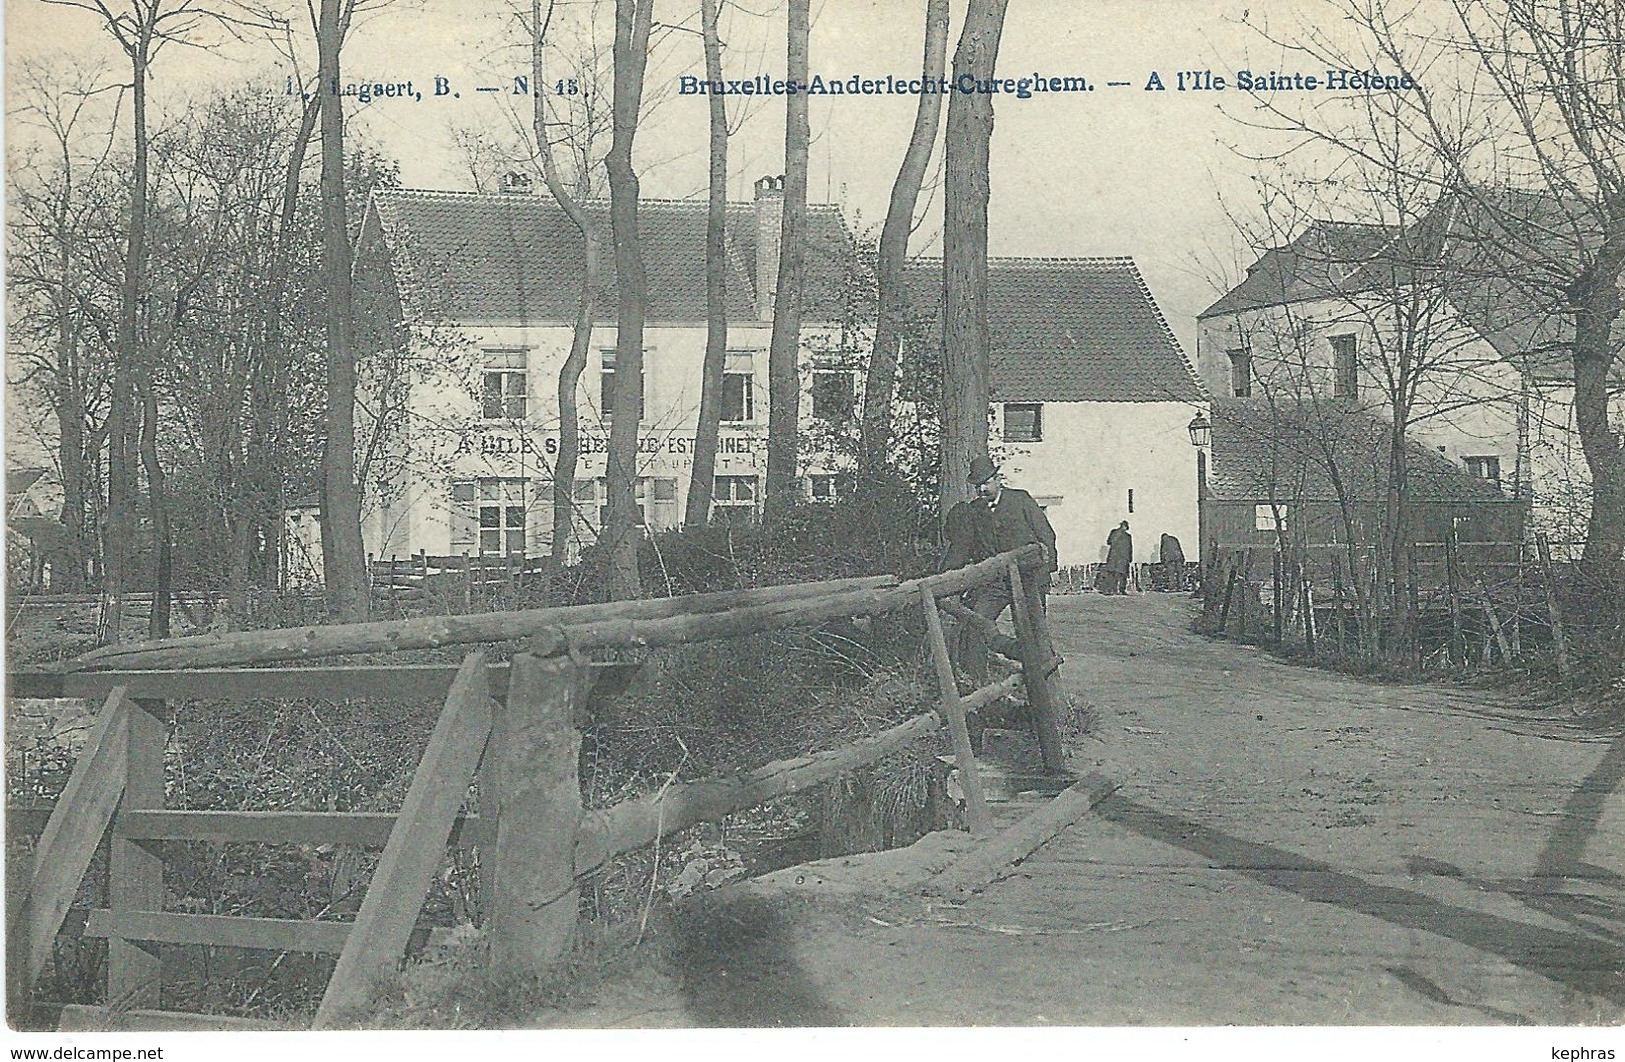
(734, 499)
(834, 397)
(738, 387)
(501, 517)
(1023, 422)
(663, 504)
(1268, 517)
(606, 386)
(1241, 373)
(641, 517)
(823, 488)
(1487, 467)
(502, 389)
(1345, 370)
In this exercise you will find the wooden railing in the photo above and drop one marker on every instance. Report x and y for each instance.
(512, 728)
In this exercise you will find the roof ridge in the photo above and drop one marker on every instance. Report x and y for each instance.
(1116, 259)
(542, 196)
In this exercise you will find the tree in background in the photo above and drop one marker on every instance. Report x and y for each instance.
(702, 479)
(893, 250)
(564, 467)
(782, 488)
(621, 534)
(344, 557)
(965, 384)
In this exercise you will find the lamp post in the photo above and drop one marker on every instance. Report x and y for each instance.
(1201, 432)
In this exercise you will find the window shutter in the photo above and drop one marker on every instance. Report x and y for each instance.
(463, 518)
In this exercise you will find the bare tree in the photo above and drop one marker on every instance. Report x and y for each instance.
(893, 251)
(564, 468)
(343, 554)
(141, 28)
(701, 480)
(632, 25)
(965, 384)
(60, 324)
(784, 353)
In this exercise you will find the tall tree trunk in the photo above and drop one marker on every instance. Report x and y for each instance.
(1596, 301)
(157, 504)
(784, 354)
(893, 250)
(259, 538)
(564, 467)
(118, 535)
(69, 572)
(632, 22)
(697, 512)
(964, 237)
(343, 555)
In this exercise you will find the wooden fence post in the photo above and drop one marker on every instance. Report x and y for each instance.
(953, 710)
(66, 848)
(1026, 604)
(135, 877)
(530, 781)
(1560, 641)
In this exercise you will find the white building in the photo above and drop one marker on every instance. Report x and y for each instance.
(459, 436)
(1092, 398)
(1317, 322)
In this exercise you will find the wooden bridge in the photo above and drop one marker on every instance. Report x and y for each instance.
(512, 730)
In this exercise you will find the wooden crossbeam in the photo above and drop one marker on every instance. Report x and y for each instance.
(369, 829)
(416, 846)
(69, 842)
(403, 682)
(635, 823)
(227, 931)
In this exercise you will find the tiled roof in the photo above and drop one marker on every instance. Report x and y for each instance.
(1070, 330)
(1323, 261)
(513, 258)
(1291, 452)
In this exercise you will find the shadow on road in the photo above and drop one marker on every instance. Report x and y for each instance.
(738, 969)
(1590, 964)
(1564, 853)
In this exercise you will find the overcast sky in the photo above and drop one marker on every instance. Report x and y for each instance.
(1117, 171)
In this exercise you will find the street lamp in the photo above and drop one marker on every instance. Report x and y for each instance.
(1201, 432)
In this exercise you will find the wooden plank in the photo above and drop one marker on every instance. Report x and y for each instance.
(416, 846)
(78, 1017)
(531, 782)
(226, 931)
(393, 681)
(1560, 642)
(776, 616)
(976, 815)
(361, 828)
(1036, 654)
(66, 847)
(400, 682)
(635, 823)
(135, 876)
(975, 870)
(298, 643)
(970, 702)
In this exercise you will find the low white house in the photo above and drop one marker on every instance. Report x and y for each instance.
(1092, 399)
(459, 435)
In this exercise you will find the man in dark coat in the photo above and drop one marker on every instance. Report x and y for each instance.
(1016, 521)
(1119, 555)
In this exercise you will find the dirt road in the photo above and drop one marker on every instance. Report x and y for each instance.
(1289, 846)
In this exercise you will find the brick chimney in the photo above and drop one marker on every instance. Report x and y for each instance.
(769, 222)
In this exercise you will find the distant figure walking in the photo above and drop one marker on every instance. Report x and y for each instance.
(1119, 555)
(1173, 563)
